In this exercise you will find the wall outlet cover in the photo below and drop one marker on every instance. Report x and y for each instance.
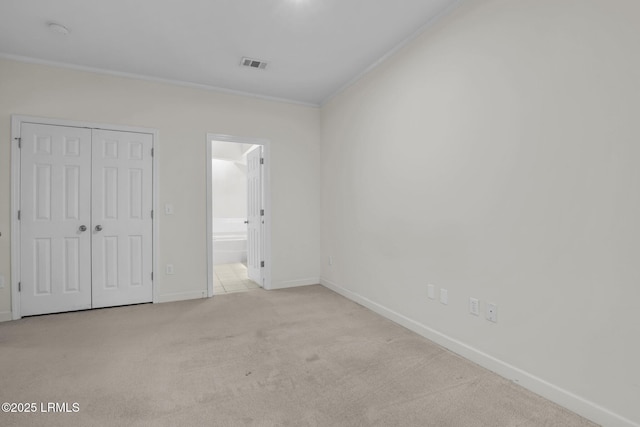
(444, 296)
(492, 312)
(431, 292)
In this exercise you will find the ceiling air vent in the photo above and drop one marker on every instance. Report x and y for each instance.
(253, 63)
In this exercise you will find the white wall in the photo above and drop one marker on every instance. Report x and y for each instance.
(229, 189)
(183, 117)
(498, 156)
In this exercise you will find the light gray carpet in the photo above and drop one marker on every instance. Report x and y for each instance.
(297, 357)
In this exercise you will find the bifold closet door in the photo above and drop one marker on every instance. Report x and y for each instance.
(121, 226)
(85, 218)
(55, 216)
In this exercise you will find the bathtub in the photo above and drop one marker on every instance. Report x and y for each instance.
(229, 240)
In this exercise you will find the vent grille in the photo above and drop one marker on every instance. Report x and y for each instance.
(253, 63)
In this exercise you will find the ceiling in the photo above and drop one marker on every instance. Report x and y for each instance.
(313, 48)
(231, 151)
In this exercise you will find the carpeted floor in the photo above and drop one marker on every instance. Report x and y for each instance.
(296, 357)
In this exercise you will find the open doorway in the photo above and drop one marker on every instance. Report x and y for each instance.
(237, 214)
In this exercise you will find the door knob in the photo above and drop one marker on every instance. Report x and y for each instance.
(98, 228)
(246, 222)
(83, 228)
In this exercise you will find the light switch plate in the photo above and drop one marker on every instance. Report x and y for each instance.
(474, 306)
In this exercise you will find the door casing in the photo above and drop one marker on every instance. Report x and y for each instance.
(16, 123)
(266, 188)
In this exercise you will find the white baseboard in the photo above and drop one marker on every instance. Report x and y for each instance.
(5, 316)
(296, 283)
(181, 296)
(565, 398)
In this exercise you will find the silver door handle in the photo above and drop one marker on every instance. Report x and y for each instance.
(83, 228)
(98, 228)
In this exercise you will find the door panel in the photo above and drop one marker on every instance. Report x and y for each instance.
(254, 207)
(122, 225)
(55, 256)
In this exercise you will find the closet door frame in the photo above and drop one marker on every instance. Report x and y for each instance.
(16, 124)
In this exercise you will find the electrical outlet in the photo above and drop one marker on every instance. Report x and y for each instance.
(474, 306)
(330, 260)
(168, 209)
(444, 296)
(169, 269)
(492, 312)
(431, 291)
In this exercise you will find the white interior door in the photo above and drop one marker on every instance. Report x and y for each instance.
(85, 218)
(121, 218)
(55, 207)
(254, 215)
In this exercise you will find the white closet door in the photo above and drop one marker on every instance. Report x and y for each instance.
(121, 214)
(55, 192)
(254, 215)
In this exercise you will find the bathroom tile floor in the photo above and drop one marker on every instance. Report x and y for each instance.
(229, 278)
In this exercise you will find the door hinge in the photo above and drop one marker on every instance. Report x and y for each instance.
(19, 142)
(19, 286)
(18, 215)
(261, 263)
(151, 213)
(152, 275)
(262, 160)
(261, 212)
(152, 152)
